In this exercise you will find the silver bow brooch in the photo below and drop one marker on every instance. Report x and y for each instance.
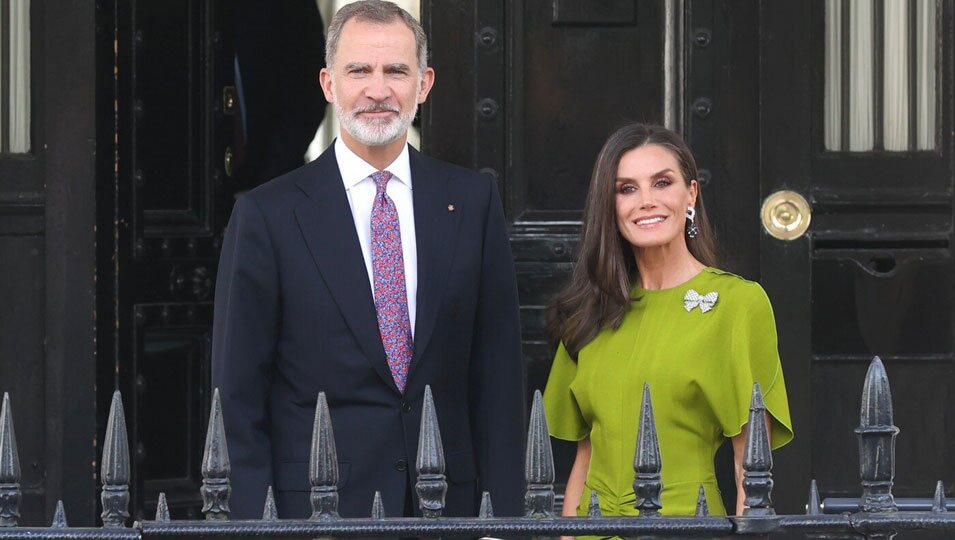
(705, 301)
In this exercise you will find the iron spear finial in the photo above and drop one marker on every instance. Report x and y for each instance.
(647, 462)
(215, 489)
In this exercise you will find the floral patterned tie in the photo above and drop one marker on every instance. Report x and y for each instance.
(388, 267)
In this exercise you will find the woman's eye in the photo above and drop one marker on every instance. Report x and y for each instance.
(626, 188)
(663, 182)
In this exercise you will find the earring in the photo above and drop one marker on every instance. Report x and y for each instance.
(692, 230)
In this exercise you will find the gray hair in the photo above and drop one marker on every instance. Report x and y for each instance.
(374, 11)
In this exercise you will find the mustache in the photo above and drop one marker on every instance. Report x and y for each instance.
(376, 107)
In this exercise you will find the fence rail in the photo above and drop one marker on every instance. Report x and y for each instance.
(876, 514)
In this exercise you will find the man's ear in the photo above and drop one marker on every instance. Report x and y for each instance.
(427, 81)
(325, 81)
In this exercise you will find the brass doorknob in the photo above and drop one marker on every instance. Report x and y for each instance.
(786, 215)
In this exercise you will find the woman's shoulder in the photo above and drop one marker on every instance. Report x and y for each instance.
(734, 289)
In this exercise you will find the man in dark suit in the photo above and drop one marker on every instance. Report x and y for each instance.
(368, 274)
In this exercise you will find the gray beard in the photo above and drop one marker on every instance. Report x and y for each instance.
(377, 132)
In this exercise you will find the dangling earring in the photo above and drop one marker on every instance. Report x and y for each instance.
(692, 230)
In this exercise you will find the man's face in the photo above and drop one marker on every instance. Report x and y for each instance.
(375, 83)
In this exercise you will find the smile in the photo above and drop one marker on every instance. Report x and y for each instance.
(377, 114)
(377, 110)
(646, 222)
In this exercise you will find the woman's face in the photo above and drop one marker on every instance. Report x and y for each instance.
(652, 197)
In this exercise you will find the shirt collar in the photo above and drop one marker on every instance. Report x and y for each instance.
(354, 169)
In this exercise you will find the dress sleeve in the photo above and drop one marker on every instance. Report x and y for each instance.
(754, 358)
(564, 418)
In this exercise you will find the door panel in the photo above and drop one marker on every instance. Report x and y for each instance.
(190, 136)
(874, 276)
(897, 302)
(564, 69)
(159, 237)
(47, 174)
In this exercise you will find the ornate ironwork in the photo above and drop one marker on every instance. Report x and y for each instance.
(647, 462)
(9, 468)
(377, 507)
(813, 507)
(877, 434)
(487, 509)
(758, 520)
(162, 508)
(702, 507)
(115, 468)
(432, 485)
(59, 516)
(593, 509)
(539, 464)
(270, 512)
(939, 505)
(323, 464)
(758, 460)
(215, 469)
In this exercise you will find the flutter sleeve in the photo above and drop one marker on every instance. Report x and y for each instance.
(564, 417)
(754, 358)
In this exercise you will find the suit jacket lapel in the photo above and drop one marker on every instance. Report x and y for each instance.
(436, 227)
(326, 222)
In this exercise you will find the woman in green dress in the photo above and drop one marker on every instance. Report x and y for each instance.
(646, 304)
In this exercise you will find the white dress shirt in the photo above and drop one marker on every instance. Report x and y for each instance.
(360, 188)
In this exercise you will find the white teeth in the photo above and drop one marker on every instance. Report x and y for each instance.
(650, 221)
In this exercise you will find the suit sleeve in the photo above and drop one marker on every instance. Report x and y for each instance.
(243, 347)
(497, 370)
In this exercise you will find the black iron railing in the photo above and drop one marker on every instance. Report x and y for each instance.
(876, 514)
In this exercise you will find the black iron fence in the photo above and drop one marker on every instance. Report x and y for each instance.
(876, 514)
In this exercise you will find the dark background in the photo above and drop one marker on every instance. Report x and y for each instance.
(110, 228)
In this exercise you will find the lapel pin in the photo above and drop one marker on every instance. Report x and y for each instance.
(450, 208)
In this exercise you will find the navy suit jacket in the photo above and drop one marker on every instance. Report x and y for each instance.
(295, 316)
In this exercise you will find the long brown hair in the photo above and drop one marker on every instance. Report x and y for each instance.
(598, 295)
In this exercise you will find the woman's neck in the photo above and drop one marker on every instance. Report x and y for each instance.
(661, 268)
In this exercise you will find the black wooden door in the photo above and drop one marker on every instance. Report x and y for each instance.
(46, 255)
(163, 200)
(188, 136)
(874, 275)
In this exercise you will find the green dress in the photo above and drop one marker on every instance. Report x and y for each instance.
(700, 367)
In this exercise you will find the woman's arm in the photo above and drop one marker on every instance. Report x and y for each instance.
(575, 482)
(739, 449)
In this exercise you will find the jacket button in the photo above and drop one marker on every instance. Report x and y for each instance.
(405, 406)
(401, 465)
